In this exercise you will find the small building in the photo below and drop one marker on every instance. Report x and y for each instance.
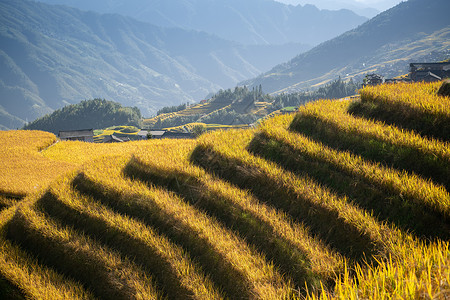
(373, 79)
(429, 71)
(157, 134)
(142, 135)
(85, 135)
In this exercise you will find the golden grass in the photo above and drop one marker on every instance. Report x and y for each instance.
(414, 106)
(24, 169)
(421, 96)
(31, 278)
(329, 122)
(422, 272)
(335, 113)
(29, 140)
(417, 189)
(104, 271)
(256, 213)
(405, 275)
(182, 277)
(79, 153)
(240, 211)
(8, 201)
(259, 278)
(325, 207)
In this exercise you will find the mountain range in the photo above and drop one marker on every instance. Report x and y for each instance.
(415, 30)
(367, 8)
(265, 22)
(54, 55)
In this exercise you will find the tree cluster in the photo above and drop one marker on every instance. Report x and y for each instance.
(334, 90)
(97, 113)
(170, 109)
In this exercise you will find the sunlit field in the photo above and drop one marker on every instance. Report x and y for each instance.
(342, 199)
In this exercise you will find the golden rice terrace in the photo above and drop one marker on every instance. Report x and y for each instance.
(341, 200)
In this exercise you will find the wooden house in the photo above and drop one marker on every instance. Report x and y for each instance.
(85, 135)
(157, 134)
(429, 71)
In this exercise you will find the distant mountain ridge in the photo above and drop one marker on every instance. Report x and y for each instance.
(247, 22)
(51, 56)
(412, 30)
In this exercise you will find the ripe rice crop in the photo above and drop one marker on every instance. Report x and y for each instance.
(28, 276)
(429, 201)
(233, 265)
(24, 169)
(169, 264)
(301, 197)
(329, 122)
(78, 256)
(414, 106)
(321, 205)
(285, 242)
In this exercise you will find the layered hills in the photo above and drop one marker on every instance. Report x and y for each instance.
(51, 56)
(247, 22)
(414, 30)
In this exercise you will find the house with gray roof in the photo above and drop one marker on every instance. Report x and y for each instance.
(85, 135)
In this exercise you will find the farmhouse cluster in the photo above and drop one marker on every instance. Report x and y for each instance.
(87, 135)
(418, 72)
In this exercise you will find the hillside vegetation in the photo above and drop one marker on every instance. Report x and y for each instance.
(243, 106)
(319, 203)
(87, 114)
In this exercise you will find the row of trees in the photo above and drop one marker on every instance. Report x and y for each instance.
(170, 109)
(334, 90)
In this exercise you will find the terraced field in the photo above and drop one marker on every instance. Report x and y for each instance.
(195, 110)
(317, 204)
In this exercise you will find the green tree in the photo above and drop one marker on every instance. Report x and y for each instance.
(198, 129)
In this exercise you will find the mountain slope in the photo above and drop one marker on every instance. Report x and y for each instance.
(51, 56)
(386, 44)
(247, 22)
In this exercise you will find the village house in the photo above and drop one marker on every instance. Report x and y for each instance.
(429, 72)
(373, 79)
(156, 134)
(85, 135)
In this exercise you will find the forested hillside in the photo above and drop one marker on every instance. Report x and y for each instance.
(94, 114)
(242, 106)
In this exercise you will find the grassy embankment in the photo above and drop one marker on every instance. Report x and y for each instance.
(321, 203)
